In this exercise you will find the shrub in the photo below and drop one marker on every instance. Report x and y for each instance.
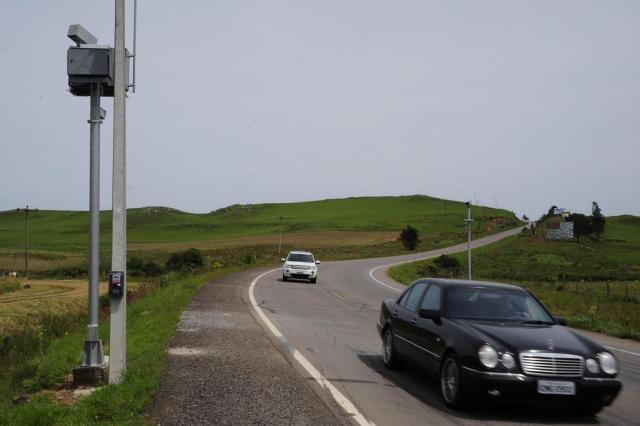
(188, 259)
(151, 269)
(409, 237)
(447, 262)
(134, 265)
(137, 266)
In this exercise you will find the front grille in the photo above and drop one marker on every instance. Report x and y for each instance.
(300, 267)
(549, 364)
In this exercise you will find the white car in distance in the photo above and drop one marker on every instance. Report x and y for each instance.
(300, 264)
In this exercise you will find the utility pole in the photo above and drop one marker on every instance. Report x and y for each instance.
(118, 331)
(468, 220)
(26, 211)
(280, 241)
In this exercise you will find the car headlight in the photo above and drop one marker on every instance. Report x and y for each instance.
(488, 356)
(508, 361)
(607, 362)
(592, 366)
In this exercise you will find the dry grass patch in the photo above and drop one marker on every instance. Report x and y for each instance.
(20, 308)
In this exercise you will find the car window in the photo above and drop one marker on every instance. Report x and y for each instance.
(494, 304)
(403, 299)
(300, 257)
(432, 298)
(415, 296)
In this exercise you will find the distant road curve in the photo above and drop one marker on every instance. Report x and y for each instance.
(331, 325)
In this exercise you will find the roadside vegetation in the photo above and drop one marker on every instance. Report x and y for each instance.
(332, 229)
(594, 283)
(35, 377)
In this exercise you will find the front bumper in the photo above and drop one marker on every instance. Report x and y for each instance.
(305, 274)
(523, 389)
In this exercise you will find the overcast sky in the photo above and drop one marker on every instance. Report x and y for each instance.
(522, 104)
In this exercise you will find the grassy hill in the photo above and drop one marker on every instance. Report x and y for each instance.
(595, 283)
(60, 237)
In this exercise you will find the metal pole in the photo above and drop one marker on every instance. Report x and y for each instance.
(93, 354)
(280, 242)
(118, 331)
(469, 236)
(26, 242)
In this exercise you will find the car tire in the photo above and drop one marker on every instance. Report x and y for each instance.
(284, 278)
(389, 354)
(313, 280)
(451, 383)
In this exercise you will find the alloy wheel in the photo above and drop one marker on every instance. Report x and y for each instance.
(449, 380)
(387, 347)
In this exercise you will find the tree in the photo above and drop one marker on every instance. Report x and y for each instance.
(409, 237)
(549, 213)
(581, 224)
(597, 219)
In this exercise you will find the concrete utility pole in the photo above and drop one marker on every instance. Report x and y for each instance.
(118, 331)
(468, 220)
(26, 211)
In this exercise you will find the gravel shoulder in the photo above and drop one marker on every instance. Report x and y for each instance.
(223, 369)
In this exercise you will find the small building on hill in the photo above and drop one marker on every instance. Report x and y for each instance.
(559, 230)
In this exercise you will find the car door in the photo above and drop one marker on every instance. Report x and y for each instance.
(429, 333)
(406, 317)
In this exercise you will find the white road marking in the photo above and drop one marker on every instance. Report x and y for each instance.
(622, 350)
(378, 281)
(338, 396)
(447, 250)
(371, 272)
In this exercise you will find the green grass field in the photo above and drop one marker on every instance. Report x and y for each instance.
(570, 278)
(339, 228)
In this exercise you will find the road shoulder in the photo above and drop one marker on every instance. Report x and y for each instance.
(223, 369)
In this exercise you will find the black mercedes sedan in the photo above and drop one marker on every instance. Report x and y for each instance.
(495, 341)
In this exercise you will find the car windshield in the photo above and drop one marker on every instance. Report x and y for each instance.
(300, 257)
(495, 305)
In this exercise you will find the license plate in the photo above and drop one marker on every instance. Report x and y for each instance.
(556, 387)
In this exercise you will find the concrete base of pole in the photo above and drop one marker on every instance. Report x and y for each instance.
(93, 369)
(90, 376)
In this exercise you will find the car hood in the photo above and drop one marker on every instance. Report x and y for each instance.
(521, 337)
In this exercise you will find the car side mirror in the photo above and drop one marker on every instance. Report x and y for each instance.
(317, 262)
(560, 320)
(283, 259)
(431, 314)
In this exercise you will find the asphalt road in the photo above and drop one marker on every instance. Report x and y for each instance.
(332, 325)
